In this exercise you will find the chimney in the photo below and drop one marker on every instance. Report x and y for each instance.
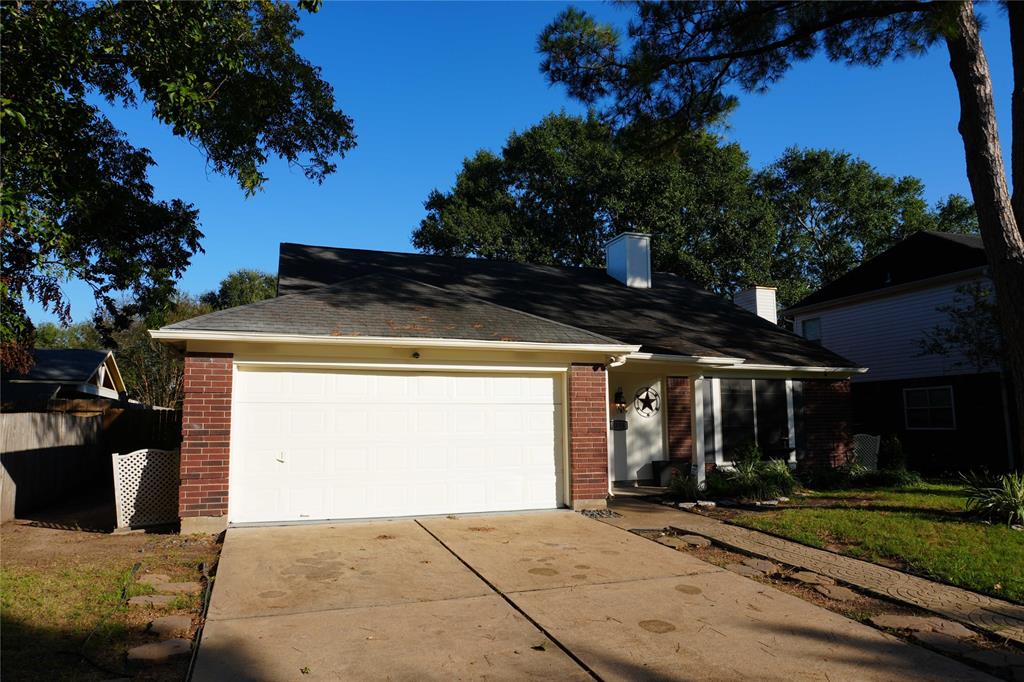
(628, 259)
(760, 301)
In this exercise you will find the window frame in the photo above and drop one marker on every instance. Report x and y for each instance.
(803, 332)
(906, 408)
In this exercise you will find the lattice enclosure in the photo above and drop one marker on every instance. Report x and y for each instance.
(865, 450)
(146, 487)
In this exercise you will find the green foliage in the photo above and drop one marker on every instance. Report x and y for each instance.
(241, 287)
(999, 499)
(972, 337)
(751, 477)
(80, 335)
(890, 454)
(833, 211)
(560, 189)
(75, 200)
(683, 487)
(858, 478)
(684, 59)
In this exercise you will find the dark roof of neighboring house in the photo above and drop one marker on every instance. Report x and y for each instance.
(922, 255)
(63, 365)
(675, 316)
(386, 305)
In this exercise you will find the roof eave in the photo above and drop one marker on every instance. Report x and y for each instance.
(183, 335)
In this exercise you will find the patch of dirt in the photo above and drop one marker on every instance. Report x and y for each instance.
(482, 529)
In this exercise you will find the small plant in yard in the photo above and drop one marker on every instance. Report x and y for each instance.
(751, 477)
(999, 499)
(682, 486)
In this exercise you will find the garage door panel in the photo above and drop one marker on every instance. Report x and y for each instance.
(358, 445)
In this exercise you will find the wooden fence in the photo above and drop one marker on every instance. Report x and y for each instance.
(56, 450)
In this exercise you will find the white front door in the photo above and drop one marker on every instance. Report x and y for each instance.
(336, 445)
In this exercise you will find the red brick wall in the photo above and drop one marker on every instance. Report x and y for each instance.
(206, 435)
(588, 433)
(680, 422)
(828, 423)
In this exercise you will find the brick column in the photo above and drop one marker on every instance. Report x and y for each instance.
(205, 444)
(828, 420)
(678, 412)
(588, 436)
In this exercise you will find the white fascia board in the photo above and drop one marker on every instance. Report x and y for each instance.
(684, 359)
(388, 341)
(401, 366)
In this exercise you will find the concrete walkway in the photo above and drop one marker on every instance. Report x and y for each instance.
(547, 595)
(999, 617)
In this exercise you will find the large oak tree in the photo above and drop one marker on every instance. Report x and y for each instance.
(682, 57)
(75, 199)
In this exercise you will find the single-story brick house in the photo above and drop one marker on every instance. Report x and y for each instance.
(384, 384)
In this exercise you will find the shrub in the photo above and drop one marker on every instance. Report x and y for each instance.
(890, 454)
(682, 487)
(751, 477)
(858, 477)
(1000, 499)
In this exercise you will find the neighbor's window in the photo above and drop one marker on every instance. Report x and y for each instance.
(929, 408)
(811, 329)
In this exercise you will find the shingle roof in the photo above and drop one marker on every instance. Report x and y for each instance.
(387, 305)
(920, 256)
(674, 317)
(63, 365)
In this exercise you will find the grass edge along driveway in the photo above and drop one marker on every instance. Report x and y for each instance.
(922, 529)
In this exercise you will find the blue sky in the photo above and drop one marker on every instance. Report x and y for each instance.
(430, 83)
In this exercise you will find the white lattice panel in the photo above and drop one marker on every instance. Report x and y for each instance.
(146, 487)
(865, 450)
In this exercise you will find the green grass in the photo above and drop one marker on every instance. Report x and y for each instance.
(922, 529)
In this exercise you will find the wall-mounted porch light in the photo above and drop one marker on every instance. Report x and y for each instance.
(620, 400)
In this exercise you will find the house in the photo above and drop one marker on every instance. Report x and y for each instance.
(65, 373)
(386, 384)
(948, 414)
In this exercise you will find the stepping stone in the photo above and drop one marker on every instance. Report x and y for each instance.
(924, 624)
(945, 643)
(744, 570)
(154, 579)
(671, 541)
(151, 600)
(687, 505)
(783, 499)
(836, 592)
(707, 504)
(808, 578)
(178, 588)
(762, 565)
(169, 626)
(695, 540)
(158, 652)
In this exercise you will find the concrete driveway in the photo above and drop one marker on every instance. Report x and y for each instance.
(549, 595)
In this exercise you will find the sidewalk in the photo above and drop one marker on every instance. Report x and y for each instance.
(1001, 618)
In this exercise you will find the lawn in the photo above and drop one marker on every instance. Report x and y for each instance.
(63, 600)
(922, 529)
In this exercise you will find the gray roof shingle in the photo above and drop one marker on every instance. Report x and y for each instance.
(387, 305)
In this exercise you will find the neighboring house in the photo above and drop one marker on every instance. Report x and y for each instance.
(65, 373)
(948, 414)
(387, 384)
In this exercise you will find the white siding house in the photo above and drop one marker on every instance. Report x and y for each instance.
(884, 333)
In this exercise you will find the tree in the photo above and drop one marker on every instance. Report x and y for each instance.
(563, 187)
(971, 336)
(75, 200)
(241, 287)
(684, 56)
(832, 211)
(80, 335)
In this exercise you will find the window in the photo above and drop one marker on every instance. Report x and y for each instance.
(929, 408)
(811, 329)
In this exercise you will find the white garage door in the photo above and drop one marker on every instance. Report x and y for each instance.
(336, 445)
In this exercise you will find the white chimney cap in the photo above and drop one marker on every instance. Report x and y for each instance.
(628, 259)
